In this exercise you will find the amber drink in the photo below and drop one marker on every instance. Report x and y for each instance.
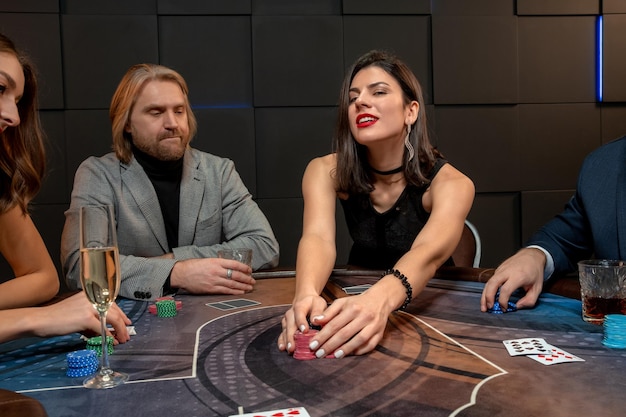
(602, 288)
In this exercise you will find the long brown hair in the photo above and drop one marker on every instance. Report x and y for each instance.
(22, 154)
(352, 173)
(126, 95)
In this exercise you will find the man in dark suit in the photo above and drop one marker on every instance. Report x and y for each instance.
(593, 223)
(175, 206)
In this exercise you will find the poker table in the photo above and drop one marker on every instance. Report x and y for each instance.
(441, 357)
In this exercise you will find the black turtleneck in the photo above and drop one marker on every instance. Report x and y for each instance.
(165, 177)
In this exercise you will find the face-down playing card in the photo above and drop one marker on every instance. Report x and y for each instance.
(356, 289)
(233, 304)
(527, 346)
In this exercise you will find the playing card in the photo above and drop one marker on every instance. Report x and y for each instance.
(233, 304)
(356, 289)
(284, 412)
(131, 332)
(527, 346)
(555, 355)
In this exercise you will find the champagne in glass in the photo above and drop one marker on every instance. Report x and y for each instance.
(100, 279)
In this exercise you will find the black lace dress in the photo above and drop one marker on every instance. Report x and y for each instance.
(380, 239)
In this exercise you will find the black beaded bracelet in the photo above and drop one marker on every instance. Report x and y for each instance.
(405, 282)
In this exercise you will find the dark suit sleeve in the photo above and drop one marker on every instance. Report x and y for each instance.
(566, 237)
(587, 225)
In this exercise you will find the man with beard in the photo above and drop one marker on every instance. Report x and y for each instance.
(175, 206)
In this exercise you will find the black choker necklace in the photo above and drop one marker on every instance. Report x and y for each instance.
(393, 171)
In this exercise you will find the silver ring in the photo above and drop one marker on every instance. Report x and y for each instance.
(229, 273)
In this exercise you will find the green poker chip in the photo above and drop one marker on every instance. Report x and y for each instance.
(166, 308)
(95, 344)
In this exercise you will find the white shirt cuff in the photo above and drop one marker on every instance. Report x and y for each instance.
(549, 268)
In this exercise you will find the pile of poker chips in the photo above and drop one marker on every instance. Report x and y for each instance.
(81, 363)
(303, 340)
(497, 308)
(166, 308)
(95, 344)
(615, 331)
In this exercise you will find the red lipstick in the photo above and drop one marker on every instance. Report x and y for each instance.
(365, 120)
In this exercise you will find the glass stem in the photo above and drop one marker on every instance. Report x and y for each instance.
(105, 370)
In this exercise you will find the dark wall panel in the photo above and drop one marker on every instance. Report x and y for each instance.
(614, 64)
(54, 189)
(304, 67)
(473, 7)
(38, 6)
(557, 59)
(43, 46)
(97, 51)
(539, 207)
(88, 133)
(287, 139)
(214, 54)
(497, 218)
(613, 122)
(113, 7)
(299, 8)
(555, 138)
(387, 7)
(201, 7)
(475, 59)
(285, 216)
(406, 36)
(49, 220)
(229, 133)
(481, 141)
(613, 6)
(557, 7)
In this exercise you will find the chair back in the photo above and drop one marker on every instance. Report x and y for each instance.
(468, 252)
(13, 404)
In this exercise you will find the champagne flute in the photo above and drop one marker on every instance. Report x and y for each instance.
(100, 279)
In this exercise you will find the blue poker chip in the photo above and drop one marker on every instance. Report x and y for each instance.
(81, 363)
(81, 358)
(78, 372)
(497, 309)
(614, 331)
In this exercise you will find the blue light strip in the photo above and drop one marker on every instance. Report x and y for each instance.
(600, 57)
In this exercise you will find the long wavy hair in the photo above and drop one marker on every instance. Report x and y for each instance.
(125, 97)
(352, 174)
(22, 153)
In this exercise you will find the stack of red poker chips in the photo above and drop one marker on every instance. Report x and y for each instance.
(303, 340)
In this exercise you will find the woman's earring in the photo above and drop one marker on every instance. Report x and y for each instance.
(407, 143)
